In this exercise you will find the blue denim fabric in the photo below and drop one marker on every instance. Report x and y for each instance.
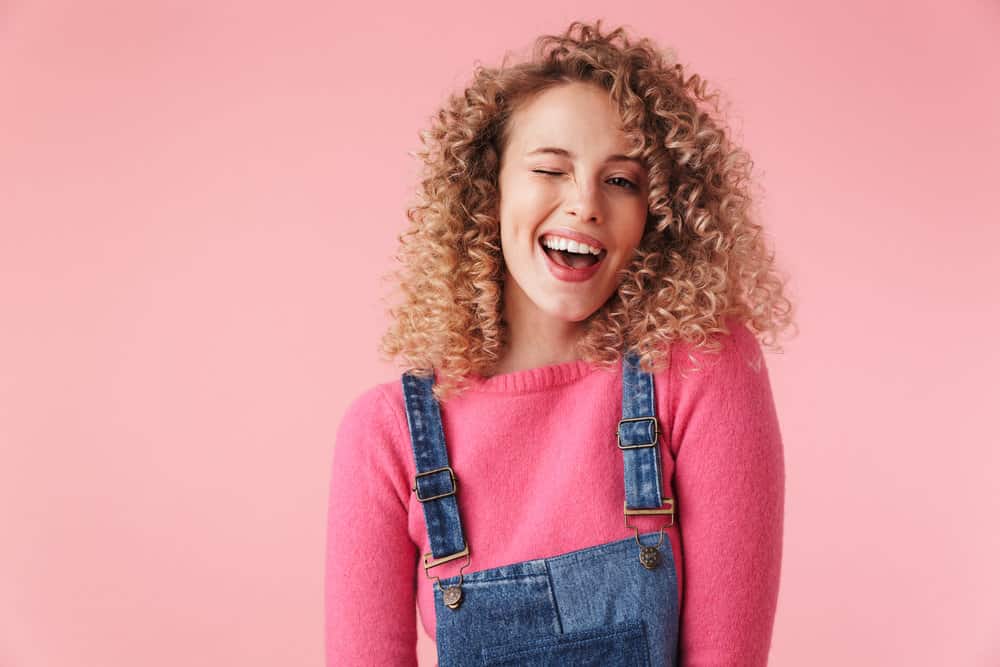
(592, 606)
(423, 417)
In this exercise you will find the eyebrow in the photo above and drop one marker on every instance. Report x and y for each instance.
(554, 150)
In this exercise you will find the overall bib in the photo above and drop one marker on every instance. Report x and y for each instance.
(613, 604)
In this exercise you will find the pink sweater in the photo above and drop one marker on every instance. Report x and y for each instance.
(720, 447)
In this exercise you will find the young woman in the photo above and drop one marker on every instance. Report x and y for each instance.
(582, 463)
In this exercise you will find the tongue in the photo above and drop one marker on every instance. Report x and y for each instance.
(578, 261)
(571, 260)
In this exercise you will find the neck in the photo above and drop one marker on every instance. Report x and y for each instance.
(534, 338)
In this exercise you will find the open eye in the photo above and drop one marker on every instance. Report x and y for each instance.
(627, 183)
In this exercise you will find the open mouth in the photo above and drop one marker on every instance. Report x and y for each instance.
(573, 260)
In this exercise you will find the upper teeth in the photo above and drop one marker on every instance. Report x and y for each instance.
(560, 243)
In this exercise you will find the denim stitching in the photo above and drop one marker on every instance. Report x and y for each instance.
(632, 627)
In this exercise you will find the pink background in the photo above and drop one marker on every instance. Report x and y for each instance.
(197, 199)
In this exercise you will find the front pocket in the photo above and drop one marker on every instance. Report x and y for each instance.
(619, 645)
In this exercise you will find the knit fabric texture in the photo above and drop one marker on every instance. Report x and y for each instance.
(539, 474)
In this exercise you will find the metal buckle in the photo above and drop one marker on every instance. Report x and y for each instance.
(669, 510)
(649, 554)
(453, 594)
(656, 432)
(446, 559)
(454, 483)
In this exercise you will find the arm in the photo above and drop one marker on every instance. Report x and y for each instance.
(370, 586)
(730, 484)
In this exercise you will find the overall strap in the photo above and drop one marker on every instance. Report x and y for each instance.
(435, 483)
(638, 437)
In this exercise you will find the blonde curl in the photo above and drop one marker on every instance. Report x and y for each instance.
(702, 260)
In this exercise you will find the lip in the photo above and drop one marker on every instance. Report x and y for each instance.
(579, 237)
(564, 272)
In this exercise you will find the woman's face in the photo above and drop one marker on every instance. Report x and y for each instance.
(590, 193)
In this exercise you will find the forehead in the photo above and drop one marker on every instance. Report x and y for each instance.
(577, 116)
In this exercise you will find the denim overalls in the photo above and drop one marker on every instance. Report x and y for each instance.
(613, 604)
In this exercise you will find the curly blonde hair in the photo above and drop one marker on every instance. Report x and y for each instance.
(701, 260)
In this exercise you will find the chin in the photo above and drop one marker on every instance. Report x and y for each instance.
(571, 314)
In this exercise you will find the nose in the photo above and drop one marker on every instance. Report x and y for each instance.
(585, 203)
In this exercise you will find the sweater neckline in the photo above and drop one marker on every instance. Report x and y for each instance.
(533, 379)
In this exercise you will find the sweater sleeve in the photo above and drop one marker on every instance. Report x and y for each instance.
(370, 585)
(730, 485)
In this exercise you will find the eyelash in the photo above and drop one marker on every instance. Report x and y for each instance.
(630, 186)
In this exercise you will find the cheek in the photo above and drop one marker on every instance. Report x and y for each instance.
(523, 210)
(629, 240)
(638, 227)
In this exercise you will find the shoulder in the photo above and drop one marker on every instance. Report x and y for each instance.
(372, 437)
(722, 397)
(373, 403)
(378, 413)
(728, 382)
(739, 354)
(375, 415)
